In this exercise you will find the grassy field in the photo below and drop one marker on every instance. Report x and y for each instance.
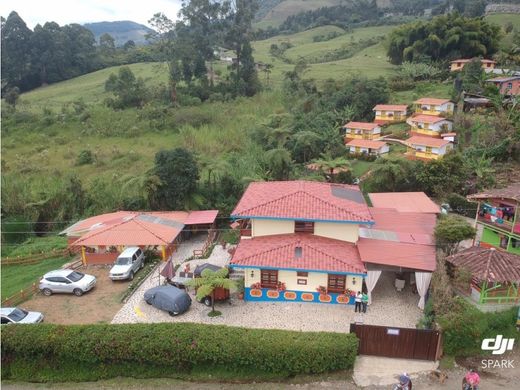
(370, 62)
(502, 20)
(17, 277)
(286, 8)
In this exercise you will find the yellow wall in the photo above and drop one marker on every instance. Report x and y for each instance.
(266, 227)
(290, 278)
(338, 231)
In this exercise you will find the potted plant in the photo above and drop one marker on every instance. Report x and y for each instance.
(322, 290)
(240, 288)
(281, 286)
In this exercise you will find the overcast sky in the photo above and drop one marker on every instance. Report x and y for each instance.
(86, 11)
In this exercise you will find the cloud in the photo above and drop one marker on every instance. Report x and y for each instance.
(87, 11)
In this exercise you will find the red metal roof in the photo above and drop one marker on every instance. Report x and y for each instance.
(366, 143)
(403, 222)
(303, 200)
(136, 228)
(490, 264)
(511, 192)
(426, 118)
(397, 254)
(390, 107)
(317, 254)
(361, 125)
(468, 60)
(201, 217)
(433, 101)
(417, 202)
(427, 141)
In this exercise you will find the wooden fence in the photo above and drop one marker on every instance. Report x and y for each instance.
(212, 235)
(34, 257)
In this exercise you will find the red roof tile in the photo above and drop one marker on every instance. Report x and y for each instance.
(390, 107)
(433, 101)
(318, 253)
(489, 264)
(303, 200)
(510, 192)
(202, 217)
(361, 125)
(417, 202)
(427, 141)
(397, 254)
(366, 143)
(426, 118)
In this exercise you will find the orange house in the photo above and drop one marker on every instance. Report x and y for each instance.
(390, 113)
(362, 130)
(459, 64)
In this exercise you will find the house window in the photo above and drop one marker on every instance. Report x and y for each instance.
(302, 274)
(269, 278)
(336, 283)
(302, 282)
(509, 85)
(303, 227)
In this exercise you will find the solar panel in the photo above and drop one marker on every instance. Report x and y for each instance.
(161, 221)
(378, 234)
(348, 194)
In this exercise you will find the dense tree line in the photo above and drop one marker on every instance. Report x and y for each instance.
(51, 53)
(445, 37)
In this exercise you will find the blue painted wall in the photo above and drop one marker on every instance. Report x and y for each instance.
(281, 296)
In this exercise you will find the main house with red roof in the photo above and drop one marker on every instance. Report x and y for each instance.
(390, 113)
(361, 130)
(305, 241)
(429, 125)
(103, 237)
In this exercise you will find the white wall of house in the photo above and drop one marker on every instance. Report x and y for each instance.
(380, 113)
(381, 150)
(340, 231)
(446, 107)
(434, 126)
(384, 149)
(267, 227)
(353, 130)
(440, 151)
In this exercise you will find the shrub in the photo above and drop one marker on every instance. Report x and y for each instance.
(85, 157)
(92, 352)
(462, 206)
(465, 327)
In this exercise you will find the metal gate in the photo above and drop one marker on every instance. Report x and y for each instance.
(396, 342)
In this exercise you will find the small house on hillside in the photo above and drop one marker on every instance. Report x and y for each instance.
(362, 146)
(390, 113)
(427, 148)
(429, 125)
(103, 237)
(495, 277)
(362, 130)
(434, 106)
(508, 86)
(459, 64)
(498, 214)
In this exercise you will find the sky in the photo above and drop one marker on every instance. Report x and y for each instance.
(87, 11)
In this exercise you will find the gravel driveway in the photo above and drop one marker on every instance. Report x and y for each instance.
(390, 308)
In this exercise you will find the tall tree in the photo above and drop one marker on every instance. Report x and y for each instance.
(249, 74)
(16, 49)
(107, 44)
(178, 174)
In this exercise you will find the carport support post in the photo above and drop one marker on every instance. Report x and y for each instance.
(164, 253)
(83, 257)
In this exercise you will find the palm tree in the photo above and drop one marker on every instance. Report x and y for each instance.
(389, 174)
(279, 162)
(332, 165)
(207, 283)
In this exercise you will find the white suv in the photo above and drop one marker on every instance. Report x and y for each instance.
(127, 264)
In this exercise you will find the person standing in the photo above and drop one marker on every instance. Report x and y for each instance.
(359, 298)
(364, 301)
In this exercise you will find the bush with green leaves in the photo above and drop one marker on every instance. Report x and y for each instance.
(85, 157)
(93, 352)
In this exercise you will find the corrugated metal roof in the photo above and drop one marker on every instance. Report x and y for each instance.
(317, 253)
(202, 217)
(303, 200)
(397, 254)
(489, 264)
(510, 192)
(414, 202)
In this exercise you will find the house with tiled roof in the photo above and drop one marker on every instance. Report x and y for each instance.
(304, 241)
(507, 85)
(102, 238)
(390, 113)
(434, 106)
(361, 130)
(427, 148)
(429, 125)
(459, 64)
(362, 146)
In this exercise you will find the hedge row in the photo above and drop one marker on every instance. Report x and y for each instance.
(91, 352)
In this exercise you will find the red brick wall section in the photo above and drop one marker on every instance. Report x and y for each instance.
(101, 258)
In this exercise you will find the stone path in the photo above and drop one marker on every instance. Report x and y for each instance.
(390, 308)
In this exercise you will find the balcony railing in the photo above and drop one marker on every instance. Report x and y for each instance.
(504, 226)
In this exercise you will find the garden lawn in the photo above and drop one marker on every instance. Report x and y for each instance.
(18, 277)
(360, 167)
